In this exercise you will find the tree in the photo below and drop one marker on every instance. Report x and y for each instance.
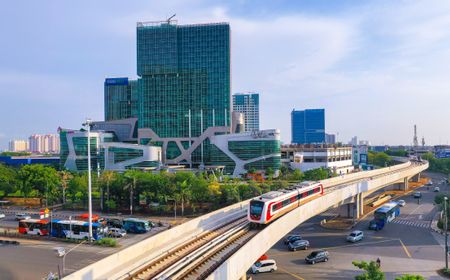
(41, 178)
(131, 178)
(8, 180)
(65, 177)
(78, 188)
(296, 175)
(372, 271)
(270, 173)
(316, 174)
(379, 159)
(106, 178)
(410, 277)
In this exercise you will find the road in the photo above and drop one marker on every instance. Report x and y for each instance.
(407, 245)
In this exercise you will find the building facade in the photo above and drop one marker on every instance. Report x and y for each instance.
(248, 104)
(105, 153)
(121, 99)
(308, 126)
(18, 146)
(330, 138)
(337, 159)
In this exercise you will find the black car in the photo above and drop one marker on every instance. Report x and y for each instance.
(114, 223)
(317, 256)
(299, 244)
(292, 238)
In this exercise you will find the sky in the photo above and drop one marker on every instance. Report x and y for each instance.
(377, 67)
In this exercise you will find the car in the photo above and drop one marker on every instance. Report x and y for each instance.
(264, 266)
(401, 202)
(437, 189)
(299, 244)
(22, 216)
(2, 215)
(317, 256)
(430, 183)
(355, 236)
(417, 195)
(114, 223)
(117, 232)
(292, 238)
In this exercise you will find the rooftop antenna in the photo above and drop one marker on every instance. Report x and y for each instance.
(168, 20)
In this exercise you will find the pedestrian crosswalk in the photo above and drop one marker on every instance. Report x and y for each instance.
(412, 223)
(422, 224)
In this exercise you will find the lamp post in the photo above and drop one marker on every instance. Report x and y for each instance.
(88, 125)
(445, 231)
(65, 254)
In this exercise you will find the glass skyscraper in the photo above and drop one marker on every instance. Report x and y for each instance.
(121, 99)
(308, 126)
(248, 104)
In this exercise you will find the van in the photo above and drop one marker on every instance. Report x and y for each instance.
(264, 266)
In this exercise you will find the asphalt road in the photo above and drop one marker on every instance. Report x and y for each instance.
(406, 245)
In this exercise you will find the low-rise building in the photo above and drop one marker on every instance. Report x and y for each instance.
(306, 157)
(442, 151)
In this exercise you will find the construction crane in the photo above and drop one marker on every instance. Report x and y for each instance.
(168, 20)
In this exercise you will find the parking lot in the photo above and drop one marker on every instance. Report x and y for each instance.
(35, 258)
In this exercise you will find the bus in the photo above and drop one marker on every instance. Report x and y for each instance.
(385, 214)
(34, 227)
(77, 229)
(133, 225)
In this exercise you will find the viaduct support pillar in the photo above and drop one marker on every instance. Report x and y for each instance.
(416, 178)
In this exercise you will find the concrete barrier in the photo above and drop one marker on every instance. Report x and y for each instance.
(118, 265)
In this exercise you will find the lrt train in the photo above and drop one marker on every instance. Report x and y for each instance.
(274, 204)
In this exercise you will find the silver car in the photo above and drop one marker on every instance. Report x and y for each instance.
(355, 236)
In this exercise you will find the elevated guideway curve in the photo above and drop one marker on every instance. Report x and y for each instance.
(348, 188)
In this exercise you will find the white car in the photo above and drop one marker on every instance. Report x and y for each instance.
(117, 232)
(264, 266)
(2, 215)
(437, 189)
(355, 236)
(21, 216)
(401, 202)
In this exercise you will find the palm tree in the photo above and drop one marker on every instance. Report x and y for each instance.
(65, 177)
(131, 176)
(107, 177)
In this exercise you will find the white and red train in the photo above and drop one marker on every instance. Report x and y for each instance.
(270, 206)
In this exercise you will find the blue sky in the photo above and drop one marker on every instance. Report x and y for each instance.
(377, 67)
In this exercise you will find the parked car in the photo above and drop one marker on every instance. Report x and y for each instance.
(317, 256)
(437, 189)
(401, 202)
(355, 236)
(2, 215)
(264, 266)
(299, 244)
(21, 216)
(417, 195)
(114, 223)
(117, 232)
(292, 238)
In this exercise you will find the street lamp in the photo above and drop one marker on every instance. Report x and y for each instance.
(88, 125)
(445, 232)
(62, 252)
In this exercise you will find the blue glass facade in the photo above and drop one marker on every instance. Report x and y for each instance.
(308, 126)
(248, 104)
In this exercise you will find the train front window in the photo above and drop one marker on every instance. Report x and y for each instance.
(256, 207)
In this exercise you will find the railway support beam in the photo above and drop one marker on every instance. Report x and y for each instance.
(416, 178)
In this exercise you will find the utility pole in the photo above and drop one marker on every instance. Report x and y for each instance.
(445, 230)
(88, 124)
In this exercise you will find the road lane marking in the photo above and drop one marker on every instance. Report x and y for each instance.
(292, 274)
(405, 249)
(414, 210)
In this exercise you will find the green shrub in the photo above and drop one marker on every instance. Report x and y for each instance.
(106, 242)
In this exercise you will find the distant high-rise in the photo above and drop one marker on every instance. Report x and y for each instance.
(308, 126)
(18, 146)
(248, 104)
(40, 143)
(330, 138)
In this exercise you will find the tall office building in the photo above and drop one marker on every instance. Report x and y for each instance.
(308, 126)
(121, 99)
(18, 146)
(181, 101)
(248, 104)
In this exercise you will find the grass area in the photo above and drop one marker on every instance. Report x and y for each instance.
(444, 273)
(106, 242)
